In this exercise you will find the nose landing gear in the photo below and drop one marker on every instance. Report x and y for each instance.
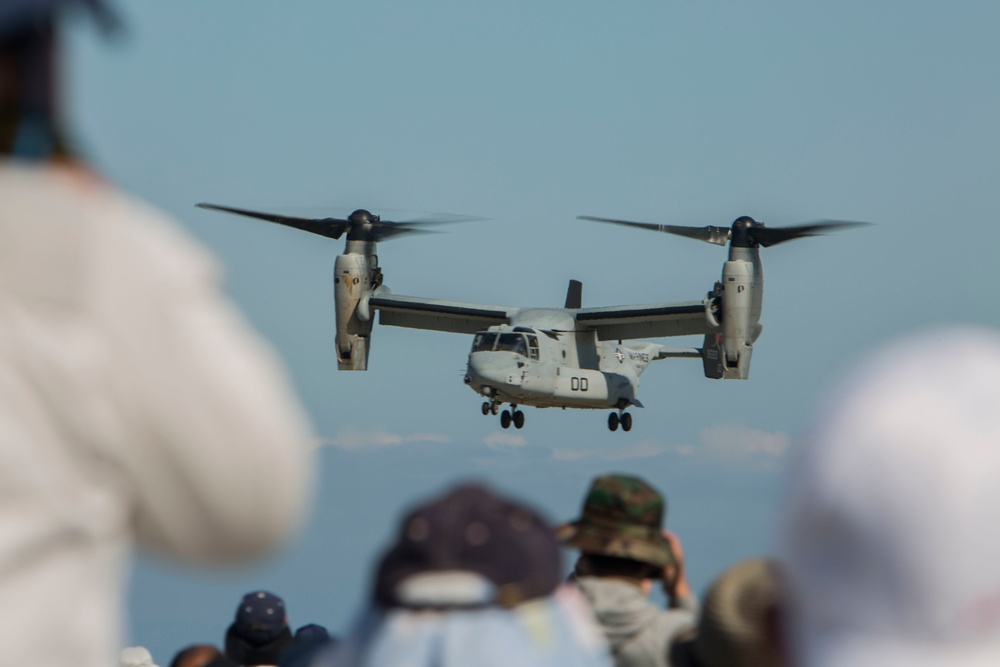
(514, 416)
(507, 417)
(625, 420)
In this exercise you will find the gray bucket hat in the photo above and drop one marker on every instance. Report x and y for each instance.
(739, 622)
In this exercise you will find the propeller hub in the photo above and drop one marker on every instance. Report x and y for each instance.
(361, 216)
(742, 234)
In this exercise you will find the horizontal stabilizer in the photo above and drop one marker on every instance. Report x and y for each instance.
(679, 353)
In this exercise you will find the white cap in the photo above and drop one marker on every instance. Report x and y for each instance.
(136, 656)
(892, 527)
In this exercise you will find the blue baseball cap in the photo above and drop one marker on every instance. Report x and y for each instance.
(469, 548)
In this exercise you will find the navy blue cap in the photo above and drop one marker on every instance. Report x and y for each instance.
(21, 15)
(312, 633)
(261, 617)
(470, 547)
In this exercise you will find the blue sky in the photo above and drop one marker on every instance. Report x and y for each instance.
(530, 114)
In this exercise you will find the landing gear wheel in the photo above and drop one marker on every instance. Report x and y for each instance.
(486, 408)
(626, 420)
(518, 419)
(505, 419)
(613, 421)
(495, 409)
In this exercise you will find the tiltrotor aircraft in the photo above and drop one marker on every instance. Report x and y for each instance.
(569, 357)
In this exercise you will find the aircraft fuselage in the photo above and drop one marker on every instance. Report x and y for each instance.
(552, 367)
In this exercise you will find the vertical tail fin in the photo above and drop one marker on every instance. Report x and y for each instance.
(574, 294)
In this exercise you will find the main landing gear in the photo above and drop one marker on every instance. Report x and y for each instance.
(507, 417)
(625, 419)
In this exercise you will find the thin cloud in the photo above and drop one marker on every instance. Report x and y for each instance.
(733, 443)
(717, 444)
(642, 450)
(499, 439)
(356, 440)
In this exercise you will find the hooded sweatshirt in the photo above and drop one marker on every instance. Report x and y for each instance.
(136, 407)
(638, 631)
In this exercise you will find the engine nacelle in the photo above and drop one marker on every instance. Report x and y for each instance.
(741, 296)
(352, 284)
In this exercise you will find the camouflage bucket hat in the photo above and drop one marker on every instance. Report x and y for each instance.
(622, 517)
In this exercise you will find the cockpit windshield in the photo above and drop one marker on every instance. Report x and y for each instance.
(518, 343)
(513, 342)
(484, 342)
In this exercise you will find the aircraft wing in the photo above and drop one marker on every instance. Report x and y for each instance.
(437, 315)
(678, 353)
(656, 320)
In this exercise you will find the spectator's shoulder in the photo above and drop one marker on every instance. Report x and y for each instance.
(156, 237)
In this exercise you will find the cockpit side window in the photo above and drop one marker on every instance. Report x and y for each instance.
(484, 342)
(533, 346)
(513, 342)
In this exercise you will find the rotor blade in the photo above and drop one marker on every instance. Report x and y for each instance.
(329, 227)
(383, 231)
(387, 229)
(769, 236)
(709, 234)
(414, 216)
(442, 219)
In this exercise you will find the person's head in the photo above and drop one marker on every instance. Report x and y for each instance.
(310, 640)
(311, 633)
(30, 126)
(200, 655)
(136, 656)
(739, 622)
(469, 548)
(260, 633)
(594, 565)
(472, 578)
(620, 530)
(890, 535)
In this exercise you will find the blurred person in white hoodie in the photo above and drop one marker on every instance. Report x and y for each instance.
(890, 533)
(136, 405)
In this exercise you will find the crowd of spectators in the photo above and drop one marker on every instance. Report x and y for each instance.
(476, 578)
(886, 554)
(128, 381)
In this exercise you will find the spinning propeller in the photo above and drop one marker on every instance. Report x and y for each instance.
(361, 225)
(744, 233)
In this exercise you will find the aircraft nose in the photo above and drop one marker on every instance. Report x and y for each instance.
(487, 369)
